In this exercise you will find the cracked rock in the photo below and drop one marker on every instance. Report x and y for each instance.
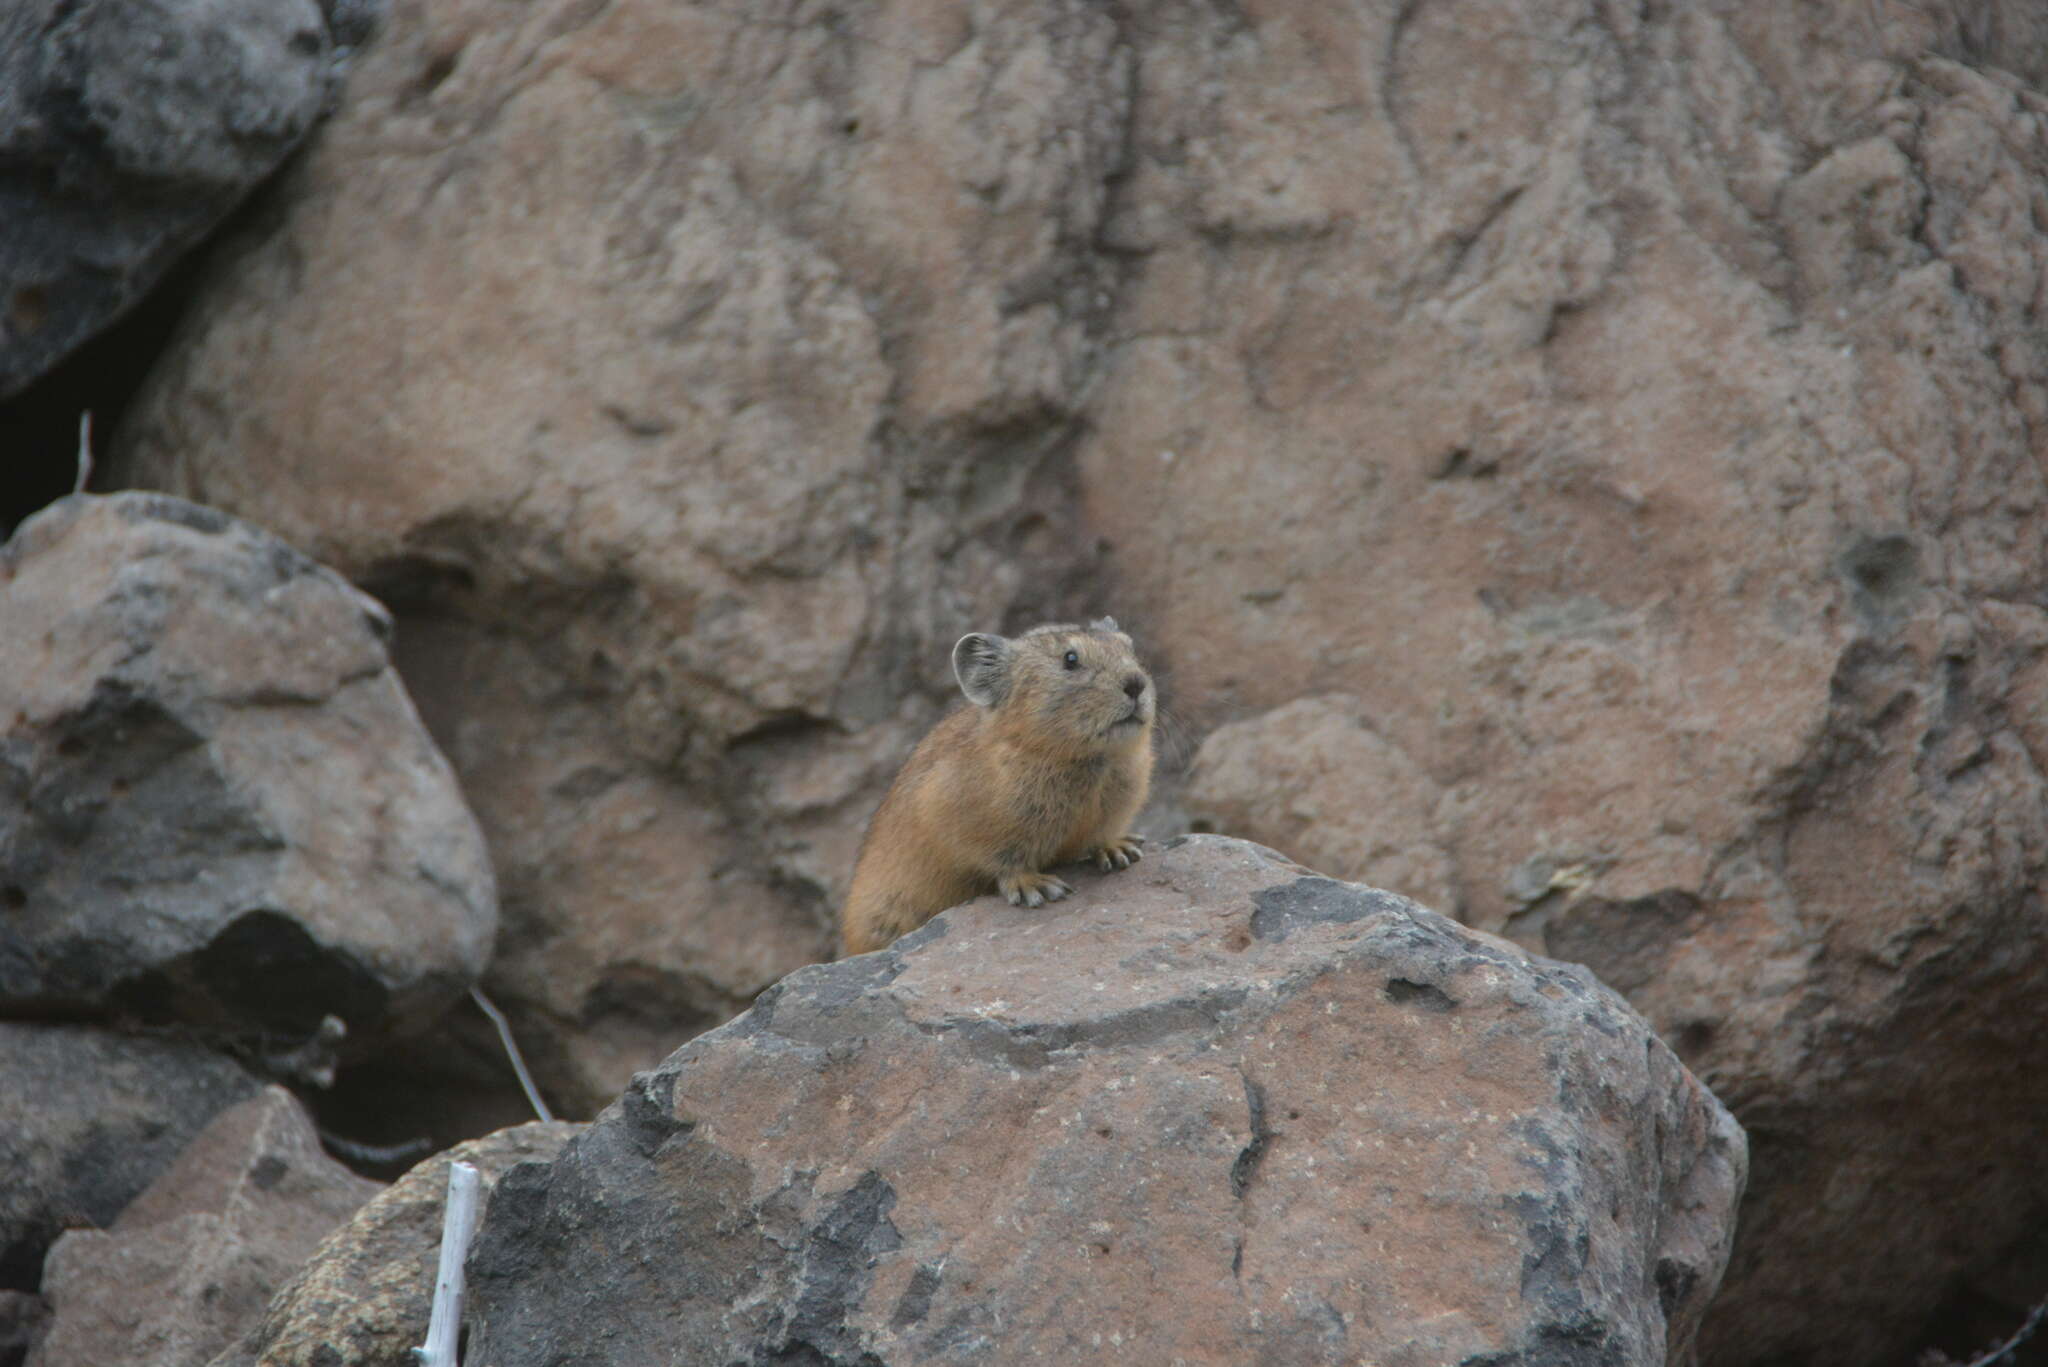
(127, 129)
(217, 805)
(1645, 551)
(364, 1297)
(93, 1118)
(1214, 1110)
(678, 609)
(192, 1261)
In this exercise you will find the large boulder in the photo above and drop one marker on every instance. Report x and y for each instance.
(193, 1260)
(216, 802)
(1217, 1110)
(684, 457)
(364, 1297)
(1654, 566)
(1584, 462)
(92, 1118)
(128, 128)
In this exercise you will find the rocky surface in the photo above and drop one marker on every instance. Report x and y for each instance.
(193, 1260)
(1655, 573)
(1582, 463)
(216, 802)
(364, 1297)
(92, 1119)
(128, 128)
(1217, 1109)
(685, 475)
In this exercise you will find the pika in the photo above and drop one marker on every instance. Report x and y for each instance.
(1048, 762)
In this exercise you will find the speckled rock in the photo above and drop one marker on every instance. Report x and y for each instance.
(363, 1298)
(127, 129)
(1214, 1110)
(217, 804)
(92, 1118)
(1615, 432)
(193, 1260)
(1586, 462)
(682, 473)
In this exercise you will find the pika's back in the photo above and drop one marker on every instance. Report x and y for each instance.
(1049, 763)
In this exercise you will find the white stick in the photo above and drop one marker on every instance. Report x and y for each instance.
(458, 1227)
(540, 1108)
(84, 452)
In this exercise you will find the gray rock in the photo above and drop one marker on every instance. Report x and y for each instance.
(363, 1299)
(91, 1118)
(23, 1315)
(216, 802)
(192, 1261)
(127, 129)
(1218, 1110)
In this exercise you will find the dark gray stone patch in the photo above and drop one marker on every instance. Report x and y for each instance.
(130, 131)
(1316, 901)
(838, 1265)
(91, 1118)
(1029, 1045)
(1246, 1164)
(803, 1005)
(1428, 996)
(648, 1108)
(148, 507)
(916, 1302)
(934, 929)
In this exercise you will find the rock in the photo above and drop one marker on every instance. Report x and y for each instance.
(22, 1319)
(1315, 778)
(92, 1118)
(363, 1299)
(216, 802)
(127, 130)
(193, 1261)
(828, 348)
(1218, 1109)
(1617, 430)
(1651, 557)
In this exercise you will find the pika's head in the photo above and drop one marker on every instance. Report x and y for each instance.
(1081, 685)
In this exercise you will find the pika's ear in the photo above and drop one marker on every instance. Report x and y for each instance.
(1104, 624)
(981, 662)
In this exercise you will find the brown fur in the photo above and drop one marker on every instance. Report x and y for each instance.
(1043, 766)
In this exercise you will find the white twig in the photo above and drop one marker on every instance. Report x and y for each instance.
(84, 452)
(2033, 1322)
(540, 1108)
(458, 1227)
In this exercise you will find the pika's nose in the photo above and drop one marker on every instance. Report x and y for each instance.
(1134, 685)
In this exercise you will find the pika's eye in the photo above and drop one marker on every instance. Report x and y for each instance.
(1073, 660)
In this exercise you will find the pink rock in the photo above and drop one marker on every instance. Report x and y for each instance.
(1217, 1109)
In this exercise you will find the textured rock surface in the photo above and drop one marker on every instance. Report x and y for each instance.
(193, 1260)
(363, 1299)
(93, 1118)
(1217, 1109)
(685, 458)
(216, 802)
(127, 129)
(1608, 438)
(1316, 776)
(1657, 561)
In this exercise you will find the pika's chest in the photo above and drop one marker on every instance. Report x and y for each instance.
(1070, 813)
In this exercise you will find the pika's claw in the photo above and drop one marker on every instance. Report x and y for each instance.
(1119, 854)
(1031, 889)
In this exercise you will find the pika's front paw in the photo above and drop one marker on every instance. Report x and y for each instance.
(1031, 889)
(1120, 854)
